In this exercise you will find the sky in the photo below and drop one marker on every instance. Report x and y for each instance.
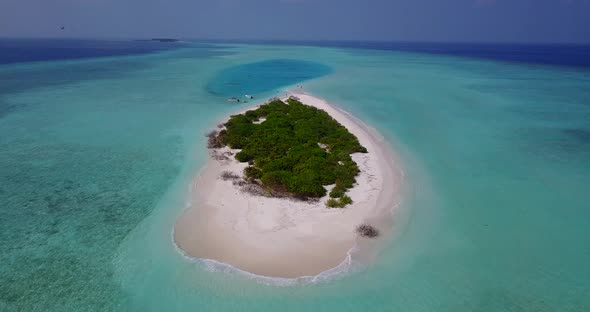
(542, 21)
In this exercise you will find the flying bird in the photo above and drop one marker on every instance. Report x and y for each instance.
(62, 28)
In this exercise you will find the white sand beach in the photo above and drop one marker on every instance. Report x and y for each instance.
(286, 238)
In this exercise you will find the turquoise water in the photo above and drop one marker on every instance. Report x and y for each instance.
(97, 157)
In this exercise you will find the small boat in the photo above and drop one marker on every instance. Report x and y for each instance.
(249, 96)
(234, 99)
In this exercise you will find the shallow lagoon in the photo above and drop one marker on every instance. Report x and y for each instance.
(97, 156)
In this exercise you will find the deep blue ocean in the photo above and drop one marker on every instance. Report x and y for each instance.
(30, 50)
(574, 55)
(100, 140)
(35, 50)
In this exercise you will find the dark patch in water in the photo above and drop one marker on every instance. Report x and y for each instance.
(255, 78)
(24, 77)
(580, 135)
(558, 146)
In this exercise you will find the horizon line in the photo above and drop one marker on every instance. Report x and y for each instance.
(270, 40)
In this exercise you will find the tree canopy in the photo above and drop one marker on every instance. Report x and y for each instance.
(296, 149)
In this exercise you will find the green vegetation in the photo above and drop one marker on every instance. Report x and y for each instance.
(296, 150)
(339, 203)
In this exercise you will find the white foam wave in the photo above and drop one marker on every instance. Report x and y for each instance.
(346, 267)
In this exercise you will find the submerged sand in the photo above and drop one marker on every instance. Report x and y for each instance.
(286, 238)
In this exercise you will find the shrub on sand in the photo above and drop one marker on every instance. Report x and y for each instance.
(345, 200)
(339, 203)
(213, 140)
(228, 175)
(366, 230)
(332, 203)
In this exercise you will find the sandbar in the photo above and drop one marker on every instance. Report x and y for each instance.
(286, 238)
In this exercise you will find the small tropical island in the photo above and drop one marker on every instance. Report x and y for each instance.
(293, 150)
(291, 188)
